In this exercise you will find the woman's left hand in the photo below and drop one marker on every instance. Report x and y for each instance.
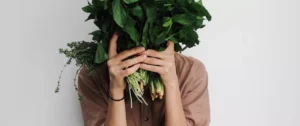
(162, 63)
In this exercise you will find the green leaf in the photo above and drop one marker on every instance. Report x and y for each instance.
(131, 30)
(173, 39)
(200, 2)
(184, 19)
(199, 24)
(96, 35)
(130, 1)
(181, 3)
(119, 13)
(161, 49)
(97, 32)
(145, 34)
(138, 12)
(105, 4)
(101, 55)
(167, 22)
(206, 13)
(89, 9)
(178, 47)
(150, 13)
(161, 38)
(91, 16)
(189, 37)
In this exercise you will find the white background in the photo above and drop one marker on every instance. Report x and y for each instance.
(250, 49)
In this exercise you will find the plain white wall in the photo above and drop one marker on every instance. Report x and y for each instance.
(250, 50)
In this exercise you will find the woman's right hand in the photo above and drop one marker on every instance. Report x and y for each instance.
(120, 68)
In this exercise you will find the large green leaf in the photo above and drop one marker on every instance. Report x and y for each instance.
(151, 13)
(101, 55)
(131, 30)
(161, 38)
(184, 19)
(119, 13)
(130, 1)
(138, 12)
(145, 34)
(189, 37)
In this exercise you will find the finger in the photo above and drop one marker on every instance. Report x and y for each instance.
(153, 53)
(170, 46)
(152, 68)
(131, 62)
(125, 54)
(154, 61)
(130, 70)
(112, 52)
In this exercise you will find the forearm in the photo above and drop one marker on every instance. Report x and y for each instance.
(116, 115)
(174, 110)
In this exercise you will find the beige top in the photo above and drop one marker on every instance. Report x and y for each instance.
(193, 87)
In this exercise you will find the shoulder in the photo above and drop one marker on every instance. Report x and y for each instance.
(189, 65)
(191, 72)
(96, 80)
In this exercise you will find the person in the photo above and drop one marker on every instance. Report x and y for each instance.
(186, 100)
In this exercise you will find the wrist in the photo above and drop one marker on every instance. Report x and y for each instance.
(116, 93)
(171, 85)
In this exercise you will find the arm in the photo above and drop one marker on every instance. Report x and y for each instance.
(119, 68)
(174, 110)
(194, 104)
(191, 108)
(164, 64)
(97, 109)
(116, 115)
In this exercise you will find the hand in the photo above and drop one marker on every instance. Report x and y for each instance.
(120, 68)
(162, 63)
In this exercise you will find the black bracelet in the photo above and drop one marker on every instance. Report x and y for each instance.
(113, 98)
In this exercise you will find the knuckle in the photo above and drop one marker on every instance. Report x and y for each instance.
(126, 63)
(109, 63)
(112, 70)
(149, 60)
(166, 70)
(135, 60)
(125, 72)
(136, 49)
(125, 52)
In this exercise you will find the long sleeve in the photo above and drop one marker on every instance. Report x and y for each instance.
(193, 81)
(196, 100)
(94, 104)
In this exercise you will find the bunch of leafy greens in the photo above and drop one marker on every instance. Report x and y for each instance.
(148, 23)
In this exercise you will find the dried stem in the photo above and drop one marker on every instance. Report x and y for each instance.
(58, 83)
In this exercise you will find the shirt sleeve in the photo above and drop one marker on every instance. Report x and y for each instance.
(196, 100)
(93, 105)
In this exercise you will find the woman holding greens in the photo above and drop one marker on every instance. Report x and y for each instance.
(185, 101)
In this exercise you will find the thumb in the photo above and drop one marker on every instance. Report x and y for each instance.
(112, 51)
(170, 46)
